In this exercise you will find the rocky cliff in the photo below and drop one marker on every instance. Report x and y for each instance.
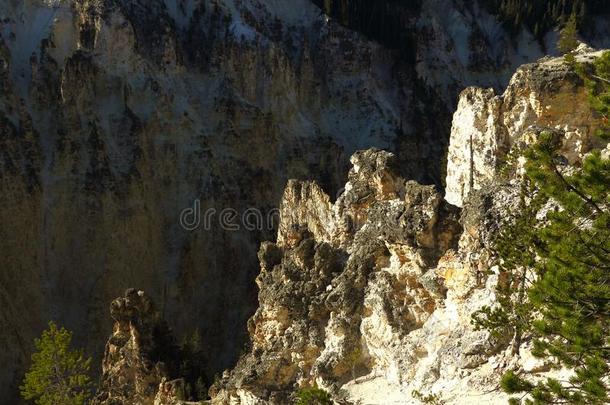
(117, 115)
(487, 127)
(371, 297)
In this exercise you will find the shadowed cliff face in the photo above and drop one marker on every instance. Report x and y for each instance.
(115, 116)
(140, 356)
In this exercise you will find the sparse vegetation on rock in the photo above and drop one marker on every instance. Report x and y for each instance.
(567, 254)
(312, 396)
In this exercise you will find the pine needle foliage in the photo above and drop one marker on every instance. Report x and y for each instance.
(59, 375)
(516, 249)
(568, 36)
(568, 298)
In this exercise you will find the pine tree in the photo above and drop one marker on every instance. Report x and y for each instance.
(568, 36)
(571, 292)
(59, 375)
(192, 366)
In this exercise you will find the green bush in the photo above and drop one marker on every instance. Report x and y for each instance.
(313, 396)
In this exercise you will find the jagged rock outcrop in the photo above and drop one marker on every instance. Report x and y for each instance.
(371, 297)
(486, 126)
(376, 286)
(138, 356)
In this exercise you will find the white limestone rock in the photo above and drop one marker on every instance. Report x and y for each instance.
(546, 94)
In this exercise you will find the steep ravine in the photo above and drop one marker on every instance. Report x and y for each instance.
(117, 115)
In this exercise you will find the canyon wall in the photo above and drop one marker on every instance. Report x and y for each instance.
(117, 115)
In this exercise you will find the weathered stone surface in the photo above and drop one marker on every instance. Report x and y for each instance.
(478, 140)
(341, 300)
(374, 298)
(138, 356)
(305, 210)
(116, 115)
(546, 94)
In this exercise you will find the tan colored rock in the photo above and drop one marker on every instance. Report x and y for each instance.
(478, 140)
(170, 392)
(117, 116)
(341, 299)
(305, 208)
(382, 304)
(486, 126)
(133, 369)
